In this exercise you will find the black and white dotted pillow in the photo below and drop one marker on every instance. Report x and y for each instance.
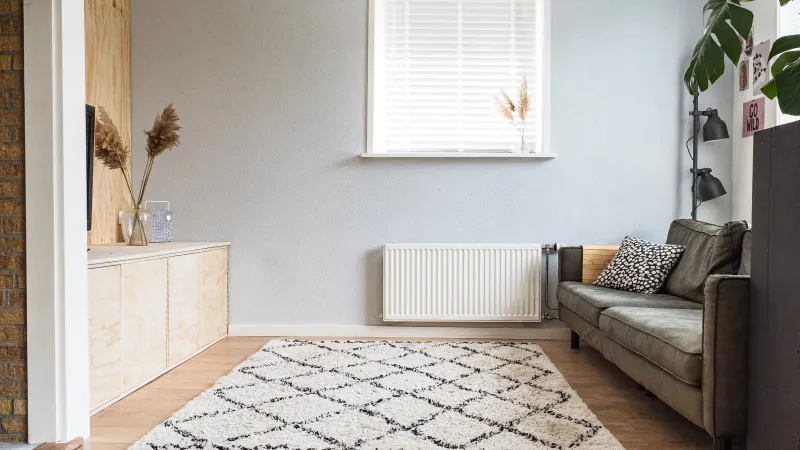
(640, 266)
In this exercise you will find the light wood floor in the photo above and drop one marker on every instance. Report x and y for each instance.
(639, 422)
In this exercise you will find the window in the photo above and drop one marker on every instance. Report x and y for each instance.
(436, 67)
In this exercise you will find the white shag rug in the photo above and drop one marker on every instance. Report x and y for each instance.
(387, 395)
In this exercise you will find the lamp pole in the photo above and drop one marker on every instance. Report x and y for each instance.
(695, 145)
(714, 130)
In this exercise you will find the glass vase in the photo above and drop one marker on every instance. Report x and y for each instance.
(523, 143)
(524, 147)
(137, 226)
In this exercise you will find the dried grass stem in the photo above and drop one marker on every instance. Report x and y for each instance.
(515, 113)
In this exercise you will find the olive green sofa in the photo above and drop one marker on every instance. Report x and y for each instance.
(687, 345)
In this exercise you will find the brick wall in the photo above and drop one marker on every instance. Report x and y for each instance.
(13, 389)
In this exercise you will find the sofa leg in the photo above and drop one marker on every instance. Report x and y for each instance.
(648, 393)
(722, 444)
(639, 387)
(574, 340)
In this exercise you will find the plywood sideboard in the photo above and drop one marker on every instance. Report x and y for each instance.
(150, 309)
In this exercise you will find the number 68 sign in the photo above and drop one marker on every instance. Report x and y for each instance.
(753, 117)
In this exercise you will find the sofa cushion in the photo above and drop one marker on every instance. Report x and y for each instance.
(640, 266)
(710, 250)
(747, 253)
(670, 338)
(588, 300)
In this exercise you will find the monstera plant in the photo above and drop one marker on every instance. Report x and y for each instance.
(728, 21)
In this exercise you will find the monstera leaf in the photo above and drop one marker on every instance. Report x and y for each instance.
(727, 21)
(785, 84)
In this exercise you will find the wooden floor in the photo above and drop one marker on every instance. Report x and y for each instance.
(639, 422)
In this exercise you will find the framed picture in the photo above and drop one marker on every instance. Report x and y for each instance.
(753, 117)
(760, 67)
(744, 75)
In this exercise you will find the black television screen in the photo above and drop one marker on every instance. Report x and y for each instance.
(90, 111)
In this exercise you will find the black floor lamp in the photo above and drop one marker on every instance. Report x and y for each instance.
(705, 186)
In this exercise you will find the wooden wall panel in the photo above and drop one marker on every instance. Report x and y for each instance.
(595, 259)
(108, 84)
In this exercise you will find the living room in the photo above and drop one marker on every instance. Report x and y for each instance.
(399, 224)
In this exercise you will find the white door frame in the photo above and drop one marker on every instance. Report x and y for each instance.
(55, 209)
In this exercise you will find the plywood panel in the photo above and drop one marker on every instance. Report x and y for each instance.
(214, 323)
(595, 259)
(108, 84)
(105, 338)
(185, 284)
(144, 313)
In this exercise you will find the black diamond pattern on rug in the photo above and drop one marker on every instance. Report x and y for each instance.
(386, 395)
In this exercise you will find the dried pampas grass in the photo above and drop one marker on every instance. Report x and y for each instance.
(111, 150)
(504, 110)
(515, 113)
(162, 137)
(524, 101)
(508, 102)
(109, 147)
(511, 110)
(164, 134)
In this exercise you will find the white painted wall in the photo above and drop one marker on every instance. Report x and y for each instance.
(765, 26)
(272, 95)
(55, 220)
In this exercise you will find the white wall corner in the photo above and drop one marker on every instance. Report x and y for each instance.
(765, 26)
(55, 186)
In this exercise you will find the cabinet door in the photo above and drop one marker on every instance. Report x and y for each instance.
(214, 323)
(185, 274)
(144, 319)
(105, 335)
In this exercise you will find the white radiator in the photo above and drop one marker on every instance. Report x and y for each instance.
(462, 282)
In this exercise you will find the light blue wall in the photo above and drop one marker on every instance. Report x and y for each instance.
(272, 95)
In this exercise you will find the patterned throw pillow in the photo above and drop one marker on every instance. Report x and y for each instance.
(640, 266)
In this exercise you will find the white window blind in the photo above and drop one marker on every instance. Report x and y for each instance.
(437, 66)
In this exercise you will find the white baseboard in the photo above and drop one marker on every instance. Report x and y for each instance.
(363, 331)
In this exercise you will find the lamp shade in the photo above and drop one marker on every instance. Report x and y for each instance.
(708, 186)
(715, 128)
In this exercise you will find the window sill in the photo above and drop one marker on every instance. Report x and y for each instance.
(461, 155)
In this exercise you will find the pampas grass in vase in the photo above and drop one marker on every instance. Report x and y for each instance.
(516, 112)
(136, 224)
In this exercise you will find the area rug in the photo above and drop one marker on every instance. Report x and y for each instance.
(387, 395)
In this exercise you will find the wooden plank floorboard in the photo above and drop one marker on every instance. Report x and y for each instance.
(637, 421)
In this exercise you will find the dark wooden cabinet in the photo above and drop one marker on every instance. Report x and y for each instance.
(774, 390)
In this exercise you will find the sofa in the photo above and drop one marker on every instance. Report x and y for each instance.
(687, 344)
